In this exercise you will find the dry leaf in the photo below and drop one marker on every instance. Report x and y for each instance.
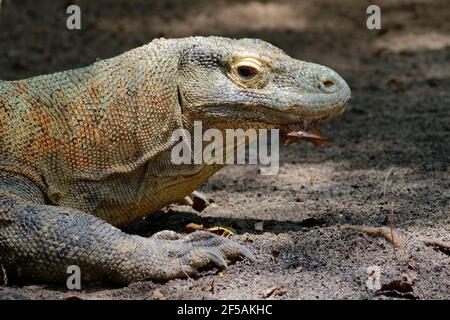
(192, 227)
(248, 238)
(388, 233)
(412, 264)
(269, 292)
(274, 291)
(223, 231)
(157, 295)
(212, 289)
(410, 277)
(280, 291)
(275, 255)
(443, 246)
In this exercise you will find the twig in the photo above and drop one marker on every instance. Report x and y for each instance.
(4, 276)
(386, 178)
(391, 225)
(443, 246)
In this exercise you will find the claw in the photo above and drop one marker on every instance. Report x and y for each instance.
(247, 254)
(227, 247)
(216, 259)
(235, 250)
(199, 258)
(200, 249)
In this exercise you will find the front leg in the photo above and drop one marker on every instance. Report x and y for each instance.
(39, 242)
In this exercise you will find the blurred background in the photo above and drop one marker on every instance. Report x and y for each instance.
(34, 38)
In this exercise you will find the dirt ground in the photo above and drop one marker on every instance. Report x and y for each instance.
(389, 164)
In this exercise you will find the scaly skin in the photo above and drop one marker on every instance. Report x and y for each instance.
(88, 150)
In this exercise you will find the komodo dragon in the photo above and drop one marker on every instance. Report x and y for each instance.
(85, 151)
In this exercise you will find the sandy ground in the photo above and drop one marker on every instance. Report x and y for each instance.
(389, 164)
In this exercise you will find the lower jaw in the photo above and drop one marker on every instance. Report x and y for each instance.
(293, 126)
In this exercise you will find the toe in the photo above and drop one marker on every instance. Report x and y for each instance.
(233, 250)
(228, 248)
(202, 257)
(200, 236)
(167, 235)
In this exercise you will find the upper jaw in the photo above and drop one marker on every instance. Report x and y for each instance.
(310, 112)
(302, 125)
(323, 106)
(299, 114)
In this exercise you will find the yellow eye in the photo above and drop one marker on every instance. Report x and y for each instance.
(248, 71)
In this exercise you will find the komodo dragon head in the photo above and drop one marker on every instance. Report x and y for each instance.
(251, 83)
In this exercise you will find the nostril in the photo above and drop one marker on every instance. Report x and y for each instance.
(328, 83)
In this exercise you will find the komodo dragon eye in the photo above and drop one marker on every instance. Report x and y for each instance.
(248, 72)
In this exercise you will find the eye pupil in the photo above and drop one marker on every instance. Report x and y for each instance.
(246, 72)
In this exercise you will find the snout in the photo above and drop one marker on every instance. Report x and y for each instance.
(326, 94)
(328, 81)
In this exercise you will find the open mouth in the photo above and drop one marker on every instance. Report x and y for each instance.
(293, 126)
(306, 131)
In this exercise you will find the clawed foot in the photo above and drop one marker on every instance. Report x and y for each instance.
(199, 249)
